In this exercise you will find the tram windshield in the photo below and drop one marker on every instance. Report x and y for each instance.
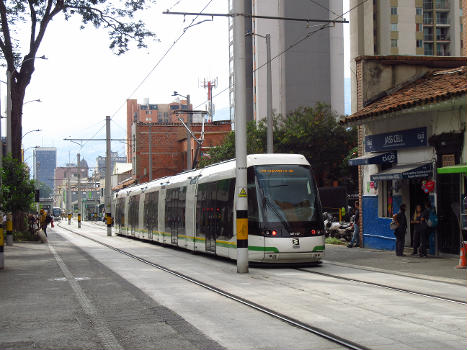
(287, 193)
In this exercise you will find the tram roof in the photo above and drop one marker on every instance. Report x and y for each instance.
(226, 166)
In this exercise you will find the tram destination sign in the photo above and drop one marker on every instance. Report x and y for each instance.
(396, 140)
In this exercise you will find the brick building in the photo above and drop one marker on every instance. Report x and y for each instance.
(159, 123)
(464, 27)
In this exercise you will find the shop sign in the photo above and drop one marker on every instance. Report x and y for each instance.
(395, 140)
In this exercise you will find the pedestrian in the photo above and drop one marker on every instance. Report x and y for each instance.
(427, 230)
(356, 225)
(45, 220)
(400, 231)
(419, 241)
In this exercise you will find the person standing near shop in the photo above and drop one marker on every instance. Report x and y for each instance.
(419, 236)
(356, 225)
(400, 231)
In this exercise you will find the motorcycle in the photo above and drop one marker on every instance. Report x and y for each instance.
(336, 229)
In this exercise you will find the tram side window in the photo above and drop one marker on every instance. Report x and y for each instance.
(175, 209)
(252, 201)
(206, 224)
(119, 210)
(168, 210)
(151, 206)
(133, 211)
(224, 208)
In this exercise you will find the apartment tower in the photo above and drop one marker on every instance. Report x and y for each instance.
(307, 58)
(404, 27)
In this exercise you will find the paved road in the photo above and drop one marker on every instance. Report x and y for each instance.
(376, 317)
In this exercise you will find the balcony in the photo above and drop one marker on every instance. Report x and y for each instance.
(442, 37)
(442, 5)
(428, 20)
(428, 37)
(428, 5)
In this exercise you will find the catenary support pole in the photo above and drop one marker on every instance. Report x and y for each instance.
(80, 199)
(189, 162)
(269, 96)
(2, 241)
(240, 138)
(108, 185)
(9, 138)
(68, 197)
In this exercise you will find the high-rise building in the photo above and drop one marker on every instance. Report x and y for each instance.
(114, 158)
(45, 162)
(404, 27)
(464, 27)
(307, 58)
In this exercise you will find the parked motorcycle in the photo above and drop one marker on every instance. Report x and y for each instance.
(334, 228)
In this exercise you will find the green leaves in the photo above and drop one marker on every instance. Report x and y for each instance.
(17, 188)
(311, 131)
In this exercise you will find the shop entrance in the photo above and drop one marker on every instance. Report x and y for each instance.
(448, 212)
(417, 197)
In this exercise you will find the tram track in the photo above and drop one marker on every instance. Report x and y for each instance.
(334, 338)
(374, 284)
(385, 286)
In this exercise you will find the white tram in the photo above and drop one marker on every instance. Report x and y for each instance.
(195, 210)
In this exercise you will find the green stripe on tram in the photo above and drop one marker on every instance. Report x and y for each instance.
(318, 248)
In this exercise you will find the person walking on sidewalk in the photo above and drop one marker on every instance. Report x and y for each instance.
(419, 241)
(356, 225)
(399, 232)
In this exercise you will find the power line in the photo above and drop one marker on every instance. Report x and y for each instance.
(307, 36)
(162, 58)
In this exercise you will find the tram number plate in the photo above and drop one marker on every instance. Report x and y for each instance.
(295, 242)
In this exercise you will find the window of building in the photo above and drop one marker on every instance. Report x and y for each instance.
(428, 49)
(393, 42)
(386, 203)
(393, 11)
(419, 43)
(419, 27)
(418, 11)
(394, 27)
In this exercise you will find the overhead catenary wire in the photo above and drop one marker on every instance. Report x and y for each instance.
(291, 46)
(162, 58)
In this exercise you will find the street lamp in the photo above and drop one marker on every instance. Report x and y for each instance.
(78, 160)
(269, 135)
(30, 131)
(36, 100)
(188, 135)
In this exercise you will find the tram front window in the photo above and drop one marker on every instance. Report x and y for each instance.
(287, 194)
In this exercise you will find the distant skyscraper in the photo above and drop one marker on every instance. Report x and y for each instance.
(45, 162)
(114, 158)
(305, 72)
(404, 27)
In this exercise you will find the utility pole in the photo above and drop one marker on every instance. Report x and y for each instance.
(2, 241)
(68, 197)
(188, 137)
(150, 149)
(269, 136)
(78, 156)
(108, 204)
(9, 139)
(240, 136)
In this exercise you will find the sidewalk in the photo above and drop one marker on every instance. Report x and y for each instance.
(442, 268)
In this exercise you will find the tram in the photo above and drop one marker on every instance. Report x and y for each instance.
(195, 210)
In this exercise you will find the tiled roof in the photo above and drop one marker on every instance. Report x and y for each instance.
(433, 87)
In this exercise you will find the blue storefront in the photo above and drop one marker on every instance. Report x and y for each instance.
(395, 168)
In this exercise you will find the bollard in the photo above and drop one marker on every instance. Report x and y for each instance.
(462, 257)
(69, 219)
(79, 220)
(9, 229)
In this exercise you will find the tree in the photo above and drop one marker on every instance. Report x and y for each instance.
(17, 189)
(311, 131)
(117, 17)
(45, 191)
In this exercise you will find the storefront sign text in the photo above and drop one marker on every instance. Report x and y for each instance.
(395, 140)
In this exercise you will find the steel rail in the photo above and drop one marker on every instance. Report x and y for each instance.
(286, 319)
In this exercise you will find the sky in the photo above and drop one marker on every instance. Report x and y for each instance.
(82, 81)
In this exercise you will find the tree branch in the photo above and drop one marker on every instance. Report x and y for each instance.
(33, 23)
(8, 47)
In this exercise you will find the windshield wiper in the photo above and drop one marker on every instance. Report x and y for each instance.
(267, 201)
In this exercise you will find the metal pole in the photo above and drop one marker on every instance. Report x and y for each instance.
(108, 204)
(150, 150)
(188, 137)
(269, 96)
(78, 156)
(2, 242)
(240, 137)
(68, 197)
(9, 143)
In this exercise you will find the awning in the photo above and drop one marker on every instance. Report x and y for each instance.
(408, 171)
(375, 158)
(453, 169)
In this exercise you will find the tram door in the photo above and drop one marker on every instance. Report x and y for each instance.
(175, 213)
